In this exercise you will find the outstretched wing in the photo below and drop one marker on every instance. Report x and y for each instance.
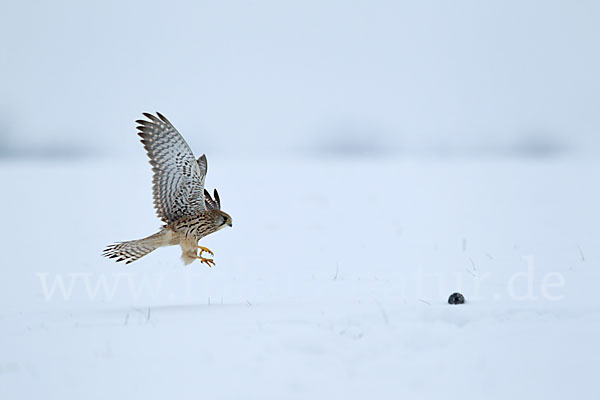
(178, 181)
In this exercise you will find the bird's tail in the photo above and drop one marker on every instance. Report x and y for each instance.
(135, 249)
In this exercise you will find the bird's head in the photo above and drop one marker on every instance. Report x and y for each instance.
(221, 219)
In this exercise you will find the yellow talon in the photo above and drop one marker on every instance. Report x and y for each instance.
(207, 261)
(204, 249)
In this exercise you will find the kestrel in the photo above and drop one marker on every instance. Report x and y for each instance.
(187, 209)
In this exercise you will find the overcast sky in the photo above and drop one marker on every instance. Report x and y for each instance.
(279, 76)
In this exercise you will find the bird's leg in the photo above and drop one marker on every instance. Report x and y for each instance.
(204, 249)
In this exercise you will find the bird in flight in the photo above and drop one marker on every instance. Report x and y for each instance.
(186, 208)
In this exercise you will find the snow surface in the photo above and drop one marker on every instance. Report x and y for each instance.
(332, 283)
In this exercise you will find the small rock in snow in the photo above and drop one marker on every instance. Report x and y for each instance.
(456, 298)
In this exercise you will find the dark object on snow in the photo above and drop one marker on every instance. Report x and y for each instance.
(456, 298)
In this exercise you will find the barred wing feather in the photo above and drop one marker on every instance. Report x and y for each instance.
(178, 181)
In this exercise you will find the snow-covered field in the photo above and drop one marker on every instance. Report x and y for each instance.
(332, 283)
